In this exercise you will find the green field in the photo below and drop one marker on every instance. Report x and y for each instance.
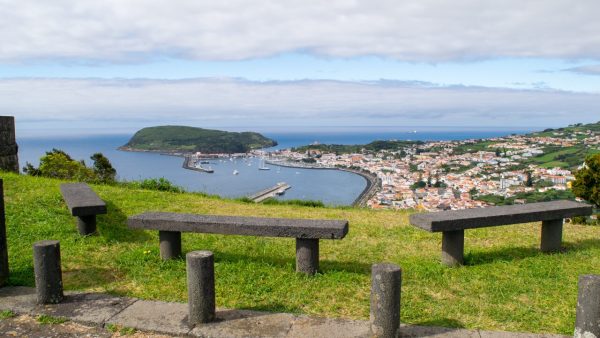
(507, 283)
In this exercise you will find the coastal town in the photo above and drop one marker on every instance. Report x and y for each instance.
(452, 175)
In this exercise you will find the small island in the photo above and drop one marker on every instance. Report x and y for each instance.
(183, 139)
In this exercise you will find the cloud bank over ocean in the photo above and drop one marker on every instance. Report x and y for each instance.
(236, 102)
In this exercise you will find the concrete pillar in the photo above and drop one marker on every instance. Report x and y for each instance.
(86, 225)
(170, 244)
(307, 255)
(453, 247)
(551, 235)
(9, 160)
(386, 284)
(48, 274)
(201, 286)
(587, 320)
(3, 244)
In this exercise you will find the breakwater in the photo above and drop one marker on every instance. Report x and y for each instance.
(188, 164)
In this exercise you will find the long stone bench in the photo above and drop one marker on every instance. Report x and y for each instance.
(453, 223)
(84, 204)
(306, 232)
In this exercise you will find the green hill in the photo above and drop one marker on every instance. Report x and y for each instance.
(507, 283)
(374, 146)
(191, 139)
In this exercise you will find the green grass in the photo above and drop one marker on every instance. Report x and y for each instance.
(6, 314)
(506, 284)
(45, 320)
(124, 331)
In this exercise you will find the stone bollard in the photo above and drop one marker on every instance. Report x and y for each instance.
(201, 286)
(386, 283)
(3, 244)
(48, 275)
(9, 158)
(587, 320)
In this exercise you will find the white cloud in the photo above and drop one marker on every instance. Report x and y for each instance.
(425, 30)
(100, 104)
(585, 70)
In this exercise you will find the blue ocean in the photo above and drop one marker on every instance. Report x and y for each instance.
(333, 187)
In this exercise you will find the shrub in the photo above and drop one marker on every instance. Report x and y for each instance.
(304, 203)
(587, 180)
(58, 164)
(160, 184)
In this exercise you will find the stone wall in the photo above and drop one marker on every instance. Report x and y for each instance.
(9, 160)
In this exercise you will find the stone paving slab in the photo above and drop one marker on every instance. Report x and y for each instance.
(27, 326)
(244, 323)
(499, 334)
(162, 317)
(437, 332)
(18, 299)
(171, 319)
(305, 326)
(87, 308)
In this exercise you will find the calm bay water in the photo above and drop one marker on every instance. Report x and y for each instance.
(333, 187)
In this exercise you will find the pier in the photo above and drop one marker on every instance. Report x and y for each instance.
(188, 163)
(279, 189)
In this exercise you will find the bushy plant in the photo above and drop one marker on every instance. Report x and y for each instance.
(160, 184)
(304, 203)
(587, 180)
(58, 164)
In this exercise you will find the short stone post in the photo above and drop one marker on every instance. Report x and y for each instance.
(9, 158)
(551, 235)
(386, 284)
(48, 274)
(307, 255)
(201, 286)
(170, 244)
(587, 320)
(3, 244)
(453, 247)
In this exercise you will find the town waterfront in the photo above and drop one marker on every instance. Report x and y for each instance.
(333, 187)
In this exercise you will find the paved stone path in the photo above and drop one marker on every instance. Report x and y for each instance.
(98, 310)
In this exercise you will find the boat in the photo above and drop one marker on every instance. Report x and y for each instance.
(204, 162)
(262, 165)
(235, 172)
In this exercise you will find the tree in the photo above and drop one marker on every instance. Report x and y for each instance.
(58, 164)
(587, 181)
(529, 181)
(418, 185)
(103, 168)
(498, 152)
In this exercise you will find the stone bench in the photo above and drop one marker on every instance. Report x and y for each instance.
(84, 204)
(306, 232)
(453, 223)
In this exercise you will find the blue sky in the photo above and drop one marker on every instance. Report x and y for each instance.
(116, 66)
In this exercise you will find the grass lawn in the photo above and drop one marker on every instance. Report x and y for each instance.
(507, 283)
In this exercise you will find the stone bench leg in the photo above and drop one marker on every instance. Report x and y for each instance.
(307, 255)
(170, 244)
(551, 235)
(453, 246)
(86, 225)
